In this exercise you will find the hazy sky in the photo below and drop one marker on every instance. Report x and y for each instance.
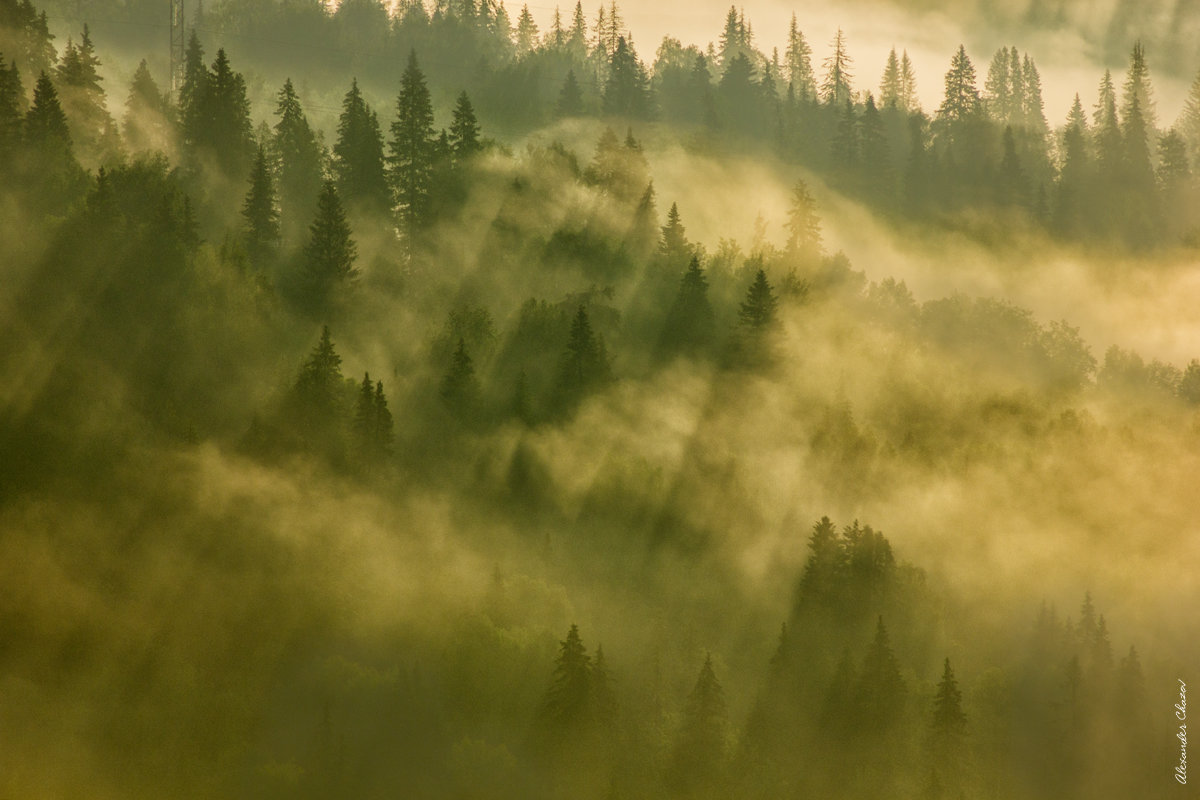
(1064, 59)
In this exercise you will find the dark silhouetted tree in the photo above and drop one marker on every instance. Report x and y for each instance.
(328, 268)
(570, 97)
(698, 757)
(690, 328)
(464, 130)
(300, 160)
(358, 155)
(260, 214)
(410, 150)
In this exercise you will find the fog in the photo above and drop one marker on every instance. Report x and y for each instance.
(624, 361)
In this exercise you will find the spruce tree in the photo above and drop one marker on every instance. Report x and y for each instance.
(757, 312)
(998, 89)
(459, 389)
(383, 421)
(225, 134)
(798, 61)
(1137, 89)
(627, 90)
(147, 112)
(889, 84)
(527, 32)
(358, 164)
(93, 131)
(299, 157)
(835, 88)
(1189, 121)
(803, 226)
(45, 130)
(315, 397)
(1011, 187)
(328, 268)
(260, 214)
(12, 98)
(690, 327)
(908, 85)
(673, 246)
(570, 97)
(583, 366)
(410, 150)
(564, 709)
(364, 417)
(464, 130)
(192, 92)
(881, 689)
(961, 103)
(698, 758)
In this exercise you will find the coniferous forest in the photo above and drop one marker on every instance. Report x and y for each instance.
(444, 400)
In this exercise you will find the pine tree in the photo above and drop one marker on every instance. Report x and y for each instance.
(1074, 175)
(908, 85)
(225, 133)
(673, 245)
(844, 149)
(1173, 172)
(803, 226)
(464, 130)
(93, 131)
(1137, 88)
(358, 155)
(603, 698)
(642, 238)
(1033, 111)
(698, 758)
(260, 213)
(998, 89)
(584, 364)
(889, 84)
(880, 688)
(527, 32)
(12, 98)
(557, 37)
(949, 721)
(1011, 180)
(835, 88)
(315, 395)
(798, 60)
(192, 92)
(757, 311)
(873, 143)
(364, 417)
(1189, 121)
(383, 421)
(690, 327)
(1106, 130)
(410, 151)
(459, 389)
(564, 709)
(961, 103)
(45, 130)
(329, 255)
(299, 157)
(147, 112)
(577, 34)
(627, 91)
(570, 97)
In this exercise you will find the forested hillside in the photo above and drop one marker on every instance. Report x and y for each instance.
(420, 402)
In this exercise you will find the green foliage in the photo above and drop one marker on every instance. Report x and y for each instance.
(358, 163)
(260, 213)
(327, 272)
(411, 149)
